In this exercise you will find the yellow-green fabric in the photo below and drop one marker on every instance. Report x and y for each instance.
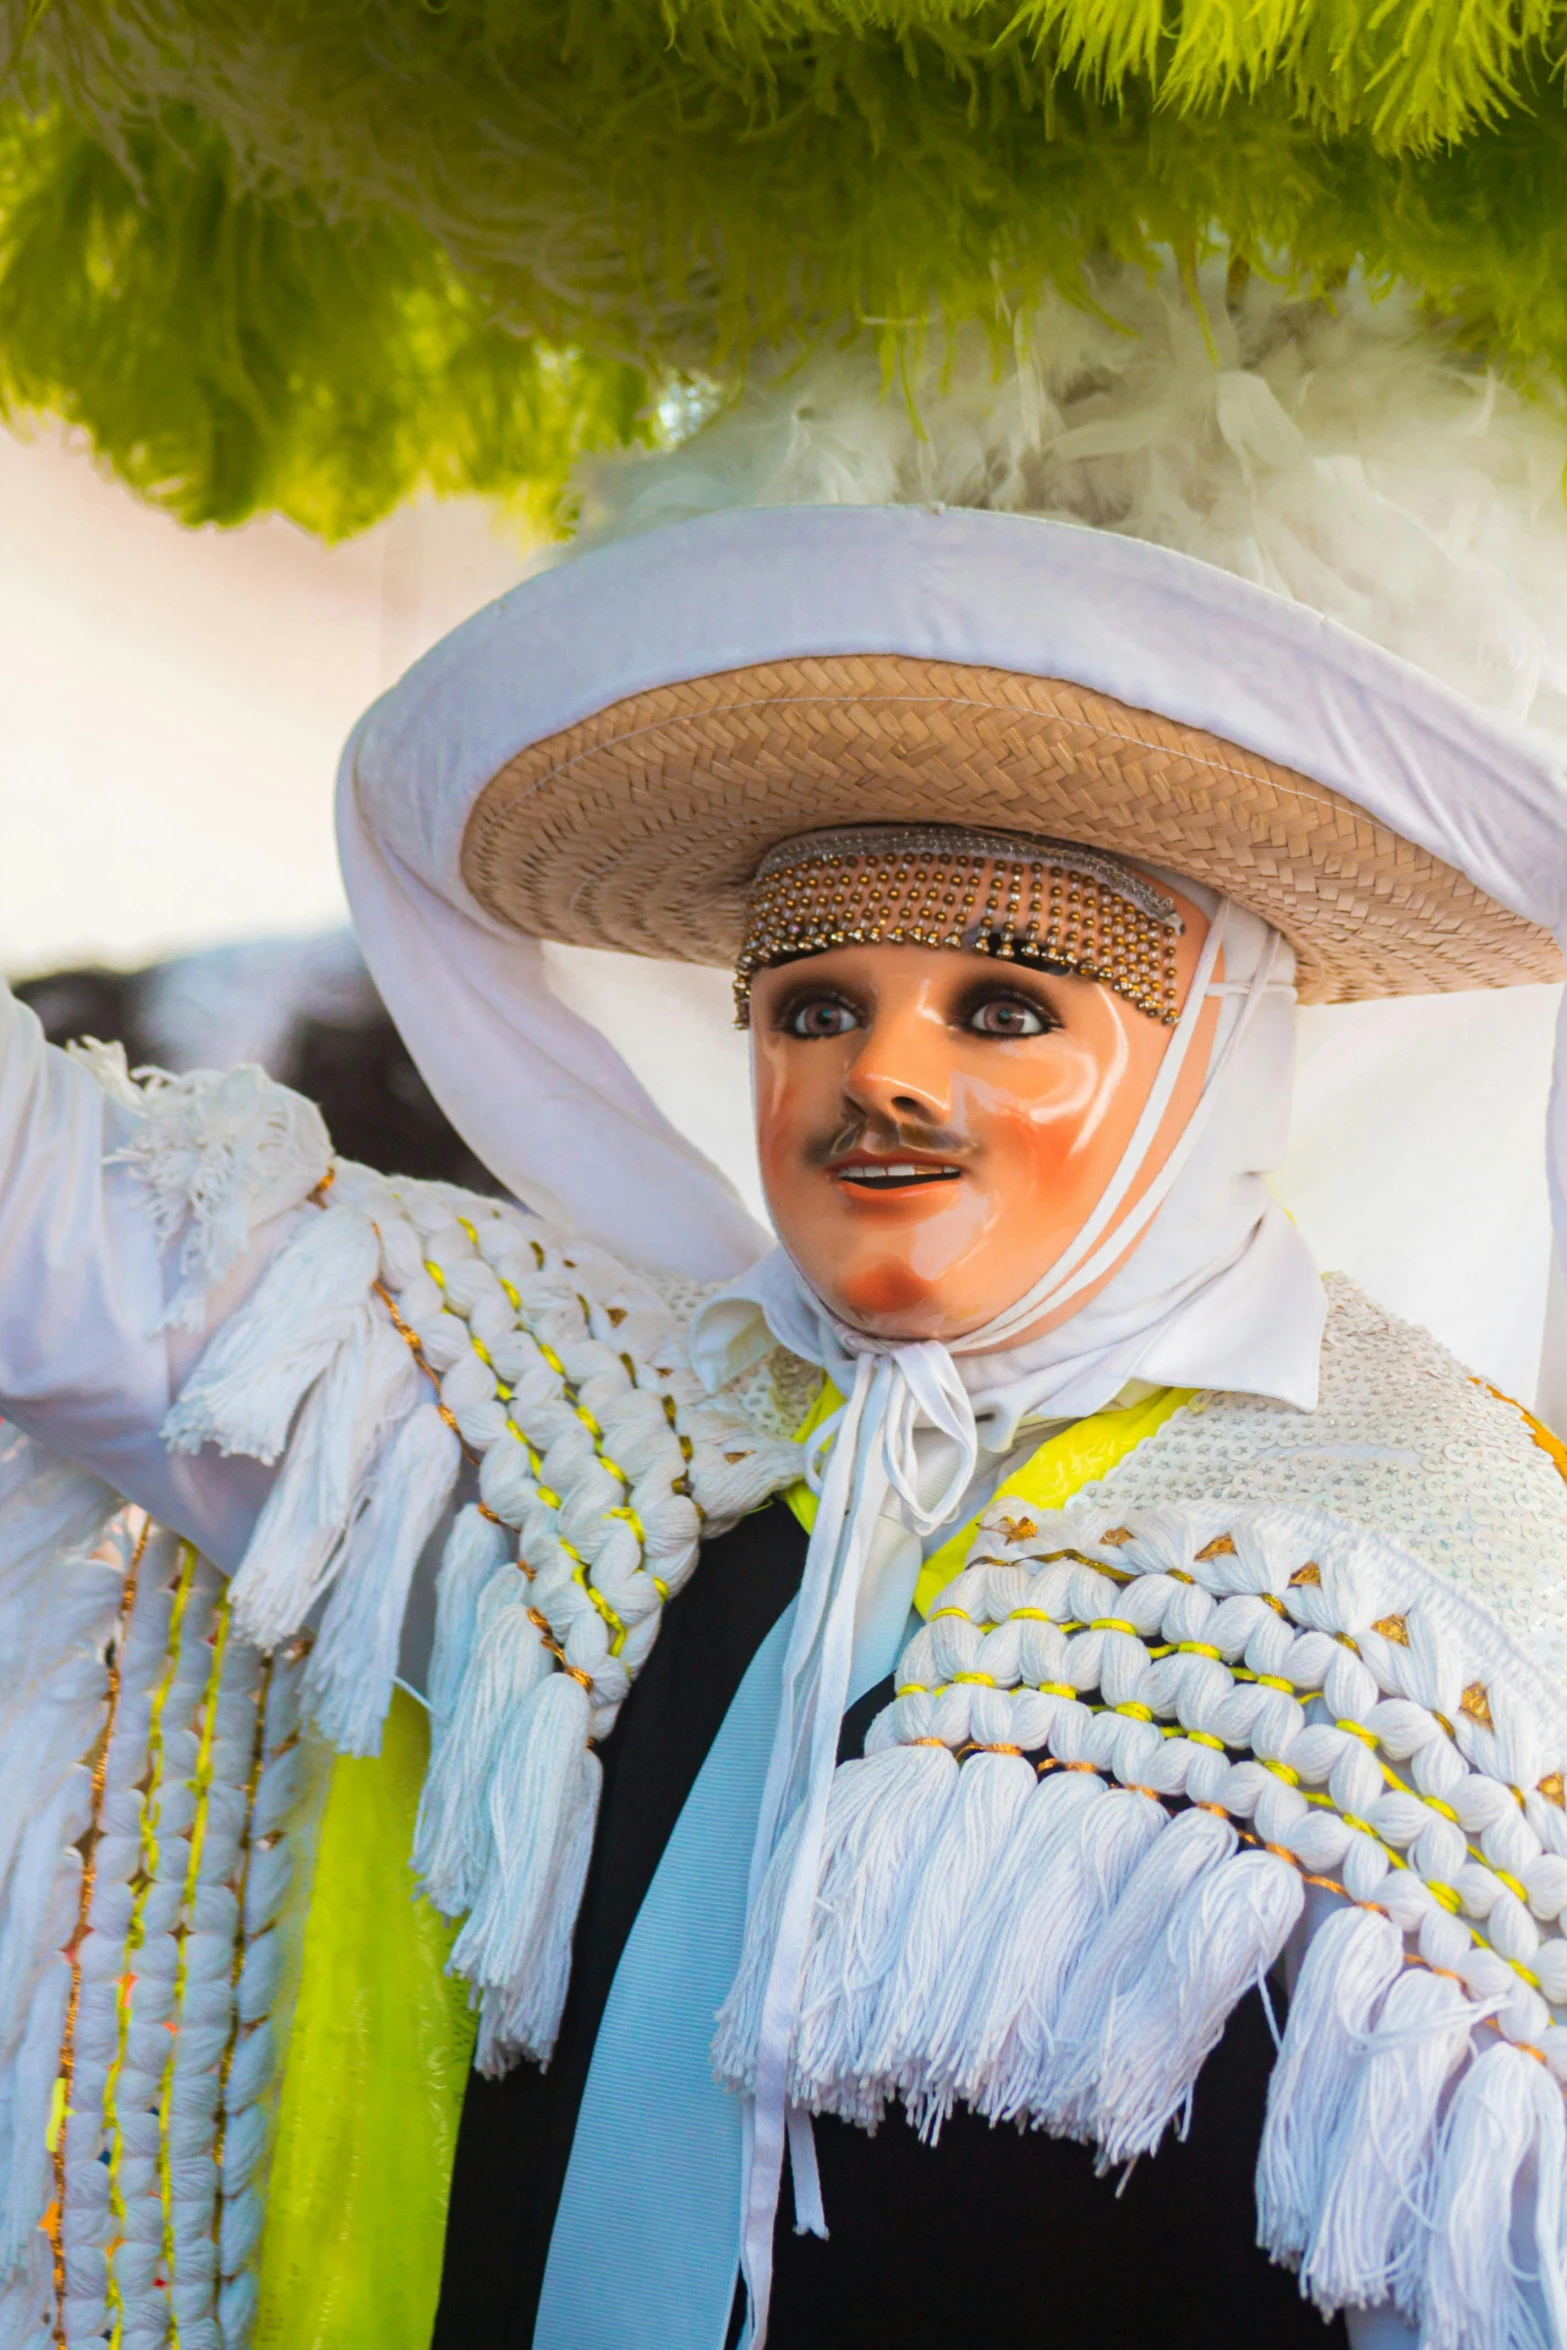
(1047, 1480)
(377, 2060)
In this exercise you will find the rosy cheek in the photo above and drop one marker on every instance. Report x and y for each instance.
(776, 1116)
(1043, 1149)
(1041, 1146)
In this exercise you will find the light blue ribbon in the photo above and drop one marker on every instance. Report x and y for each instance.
(646, 2249)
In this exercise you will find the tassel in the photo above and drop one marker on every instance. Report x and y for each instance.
(297, 1545)
(1077, 1843)
(969, 1980)
(529, 2016)
(881, 1817)
(453, 1850)
(1367, 2243)
(475, 1549)
(733, 2053)
(991, 1790)
(1107, 1984)
(535, 1792)
(1350, 1961)
(348, 1682)
(57, 1611)
(1495, 2277)
(1222, 1937)
(244, 1392)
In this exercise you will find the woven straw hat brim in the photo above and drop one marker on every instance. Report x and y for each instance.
(641, 827)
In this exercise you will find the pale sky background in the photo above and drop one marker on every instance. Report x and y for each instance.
(173, 705)
(175, 700)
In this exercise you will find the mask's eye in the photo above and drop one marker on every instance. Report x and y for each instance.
(1009, 1015)
(820, 1015)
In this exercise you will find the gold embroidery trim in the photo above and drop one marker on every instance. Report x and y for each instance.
(60, 2109)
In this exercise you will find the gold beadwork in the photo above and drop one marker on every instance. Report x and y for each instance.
(1044, 902)
(1476, 1704)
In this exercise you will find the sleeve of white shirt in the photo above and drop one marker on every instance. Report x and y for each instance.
(86, 1363)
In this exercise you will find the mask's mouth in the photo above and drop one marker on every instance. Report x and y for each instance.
(865, 1171)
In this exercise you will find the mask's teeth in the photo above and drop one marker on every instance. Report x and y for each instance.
(897, 1171)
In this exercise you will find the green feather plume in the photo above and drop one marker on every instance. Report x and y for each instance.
(314, 256)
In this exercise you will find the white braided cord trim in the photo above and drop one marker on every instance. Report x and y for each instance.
(172, 1967)
(1382, 1729)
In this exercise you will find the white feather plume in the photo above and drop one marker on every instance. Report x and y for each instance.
(1349, 456)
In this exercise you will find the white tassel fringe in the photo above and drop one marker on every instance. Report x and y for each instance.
(882, 1815)
(508, 1662)
(1368, 2239)
(1497, 2269)
(348, 1682)
(543, 1792)
(476, 1549)
(1350, 1962)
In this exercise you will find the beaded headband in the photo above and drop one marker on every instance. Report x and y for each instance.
(1020, 898)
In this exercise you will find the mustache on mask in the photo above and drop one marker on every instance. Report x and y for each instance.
(865, 1130)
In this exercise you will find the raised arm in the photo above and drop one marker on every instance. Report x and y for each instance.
(133, 1219)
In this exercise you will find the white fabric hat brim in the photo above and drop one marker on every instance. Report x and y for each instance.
(1151, 628)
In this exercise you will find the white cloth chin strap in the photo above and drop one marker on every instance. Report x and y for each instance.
(856, 1461)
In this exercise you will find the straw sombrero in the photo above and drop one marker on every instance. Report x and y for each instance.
(605, 756)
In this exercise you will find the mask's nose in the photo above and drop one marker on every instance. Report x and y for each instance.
(902, 1073)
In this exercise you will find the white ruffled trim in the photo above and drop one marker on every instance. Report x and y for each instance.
(220, 1152)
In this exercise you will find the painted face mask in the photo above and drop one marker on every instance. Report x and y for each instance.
(928, 1122)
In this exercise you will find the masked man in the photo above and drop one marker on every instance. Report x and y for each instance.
(1011, 1653)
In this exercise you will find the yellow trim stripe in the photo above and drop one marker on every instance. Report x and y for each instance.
(1047, 1480)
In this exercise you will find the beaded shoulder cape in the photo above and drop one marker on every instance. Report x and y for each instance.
(1278, 1679)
